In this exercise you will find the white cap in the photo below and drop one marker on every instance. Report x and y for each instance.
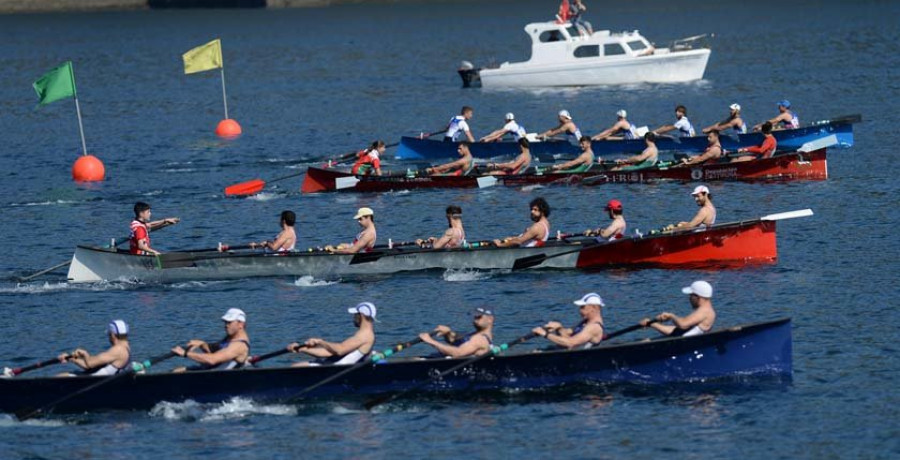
(510, 116)
(234, 314)
(735, 106)
(365, 309)
(701, 288)
(700, 189)
(591, 298)
(117, 327)
(565, 114)
(364, 212)
(622, 113)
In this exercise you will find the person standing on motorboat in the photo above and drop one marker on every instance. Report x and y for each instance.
(232, 352)
(786, 118)
(141, 226)
(457, 346)
(621, 129)
(566, 127)
(577, 9)
(764, 150)
(682, 126)
(616, 229)
(365, 240)
(588, 333)
(646, 159)
(460, 167)
(733, 122)
(518, 165)
(713, 151)
(705, 217)
(510, 127)
(352, 350)
(582, 162)
(454, 236)
(286, 240)
(459, 126)
(112, 361)
(537, 234)
(701, 319)
(369, 160)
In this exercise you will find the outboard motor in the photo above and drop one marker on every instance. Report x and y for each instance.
(469, 74)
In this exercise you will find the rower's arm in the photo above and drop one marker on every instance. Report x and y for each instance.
(444, 240)
(232, 351)
(700, 158)
(696, 317)
(612, 229)
(580, 160)
(361, 244)
(606, 133)
(533, 232)
(143, 246)
(696, 221)
(584, 336)
(553, 131)
(157, 224)
(496, 135)
(354, 342)
(281, 241)
(663, 129)
(472, 346)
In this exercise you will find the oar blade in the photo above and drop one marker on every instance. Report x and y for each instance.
(345, 182)
(788, 215)
(529, 261)
(486, 181)
(817, 144)
(245, 188)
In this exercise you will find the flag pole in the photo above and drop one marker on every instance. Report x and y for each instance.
(224, 98)
(78, 111)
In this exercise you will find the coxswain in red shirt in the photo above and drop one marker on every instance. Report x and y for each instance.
(764, 150)
(369, 160)
(141, 227)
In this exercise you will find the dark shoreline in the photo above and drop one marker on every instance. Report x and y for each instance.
(46, 6)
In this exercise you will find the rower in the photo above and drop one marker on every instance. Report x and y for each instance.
(537, 234)
(786, 118)
(713, 151)
(566, 127)
(586, 334)
(365, 239)
(698, 322)
(454, 236)
(706, 216)
(581, 163)
(616, 229)
(114, 360)
(233, 352)
(682, 126)
(646, 159)
(458, 127)
(286, 239)
(353, 349)
(621, 129)
(510, 127)
(474, 344)
(764, 150)
(461, 167)
(141, 226)
(733, 122)
(518, 165)
(369, 160)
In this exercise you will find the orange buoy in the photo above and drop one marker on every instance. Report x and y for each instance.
(88, 168)
(228, 128)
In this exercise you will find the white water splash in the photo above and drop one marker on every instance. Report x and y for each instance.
(47, 287)
(309, 281)
(233, 408)
(529, 188)
(44, 203)
(454, 275)
(179, 170)
(264, 196)
(10, 421)
(195, 284)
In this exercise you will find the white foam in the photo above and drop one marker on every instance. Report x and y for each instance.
(264, 196)
(455, 275)
(233, 408)
(529, 188)
(44, 203)
(309, 281)
(10, 421)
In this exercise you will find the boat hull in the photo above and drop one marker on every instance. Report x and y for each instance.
(762, 349)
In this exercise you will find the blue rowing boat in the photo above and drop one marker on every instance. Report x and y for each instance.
(413, 148)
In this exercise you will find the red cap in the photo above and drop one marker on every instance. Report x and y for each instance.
(614, 205)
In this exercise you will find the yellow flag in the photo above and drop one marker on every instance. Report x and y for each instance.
(204, 57)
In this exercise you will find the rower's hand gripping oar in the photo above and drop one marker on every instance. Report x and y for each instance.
(468, 362)
(7, 372)
(274, 354)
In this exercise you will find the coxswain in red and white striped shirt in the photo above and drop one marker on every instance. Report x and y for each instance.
(141, 226)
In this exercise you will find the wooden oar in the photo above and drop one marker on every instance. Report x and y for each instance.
(21, 370)
(371, 360)
(26, 414)
(628, 329)
(274, 354)
(366, 257)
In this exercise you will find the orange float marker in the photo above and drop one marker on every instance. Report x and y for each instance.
(88, 168)
(228, 129)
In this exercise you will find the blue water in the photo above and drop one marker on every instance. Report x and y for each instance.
(321, 82)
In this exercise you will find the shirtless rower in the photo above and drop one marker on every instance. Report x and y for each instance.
(582, 162)
(566, 127)
(706, 216)
(621, 129)
(786, 118)
(112, 361)
(586, 334)
(764, 150)
(682, 126)
(370, 160)
(699, 322)
(286, 240)
(616, 229)
(454, 236)
(457, 346)
(713, 151)
(646, 159)
(535, 235)
(232, 352)
(365, 239)
(734, 122)
(460, 167)
(518, 165)
(141, 226)
(510, 127)
(351, 350)
(458, 127)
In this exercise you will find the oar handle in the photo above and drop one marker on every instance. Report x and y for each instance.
(274, 354)
(49, 362)
(286, 177)
(628, 329)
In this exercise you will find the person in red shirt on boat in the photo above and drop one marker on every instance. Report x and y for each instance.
(454, 237)
(586, 334)
(713, 151)
(286, 240)
(511, 127)
(764, 150)
(706, 216)
(699, 322)
(365, 240)
(139, 241)
(646, 159)
(352, 350)
(537, 234)
(582, 162)
(566, 127)
(518, 165)
(733, 122)
(458, 346)
(231, 353)
(369, 160)
(115, 359)
(460, 167)
(616, 229)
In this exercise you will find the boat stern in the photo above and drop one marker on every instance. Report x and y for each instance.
(471, 76)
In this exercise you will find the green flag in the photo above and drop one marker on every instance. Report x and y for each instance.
(56, 84)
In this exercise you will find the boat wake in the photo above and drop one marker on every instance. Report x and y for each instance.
(45, 203)
(10, 421)
(232, 409)
(309, 281)
(47, 287)
(454, 275)
(264, 196)
(529, 188)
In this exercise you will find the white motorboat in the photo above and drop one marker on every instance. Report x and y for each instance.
(560, 56)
